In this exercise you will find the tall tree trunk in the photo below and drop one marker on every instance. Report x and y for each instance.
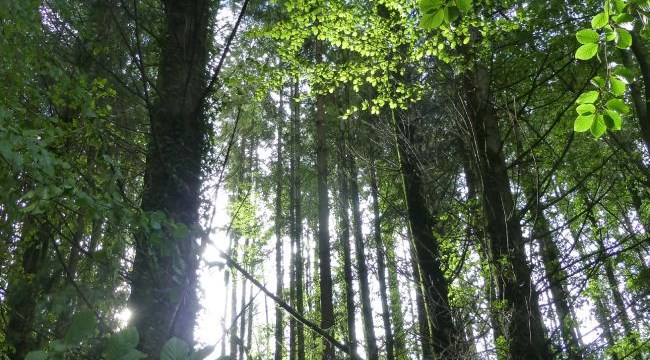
(296, 329)
(22, 296)
(526, 335)
(324, 256)
(555, 275)
(617, 297)
(372, 351)
(344, 239)
(279, 287)
(244, 309)
(233, 303)
(163, 298)
(381, 265)
(425, 246)
(640, 51)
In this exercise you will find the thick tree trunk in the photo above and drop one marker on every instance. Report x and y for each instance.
(526, 335)
(381, 265)
(163, 299)
(23, 295)
(425, 245)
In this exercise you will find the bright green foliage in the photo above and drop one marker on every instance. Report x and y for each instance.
(435, 12)
(121, 346)
(609, 26)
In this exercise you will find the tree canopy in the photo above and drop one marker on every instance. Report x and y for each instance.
(432, 179)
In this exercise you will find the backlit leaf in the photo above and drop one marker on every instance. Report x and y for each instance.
(598, 127)
(588, 97)
(583, 123)
(617, 87)
(586, 51)
(618, 105)
(587, 36)
(600, 20)
(623, 38)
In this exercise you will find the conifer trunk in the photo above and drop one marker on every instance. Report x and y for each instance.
(372, 351)
(526, 336)
(381, 265)
(344, 240)
(279, 287)
(426, 249)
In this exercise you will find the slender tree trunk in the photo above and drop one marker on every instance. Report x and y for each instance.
(297, 332)
(362, 268)
(526, 336)
(425, 245)
(396, 309)
(381, 265)
(344, 239)
(555, 275)
(244, 310)
(617, 297)
(279, 327)
(172, 183)
(233, 303)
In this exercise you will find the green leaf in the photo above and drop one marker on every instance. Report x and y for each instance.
(464, 5)
(623, 18)
(615, 118)
(625, 73)
(618, 105)
(156, 219)
(429, 6)
(583, 123)
(598, 82)
(451, 14)
(175, 349)
(432, 21)
(588, 97)
(587, 36)
(585, 109)
(619, 5)
(623, 38)
(82, 326)
(610, 35)
(36, 355)
(600, 20)
(598, 127)
(125, 339)
(202, 353)
(586, 51)
(617, 87)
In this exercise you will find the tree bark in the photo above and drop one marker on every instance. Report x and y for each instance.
(381, 265)
(425, 247)
(279, 327)
(526, 335)
(344, 240)
(372, 351)
(23, 295)
(163, 299)
(296, 329)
